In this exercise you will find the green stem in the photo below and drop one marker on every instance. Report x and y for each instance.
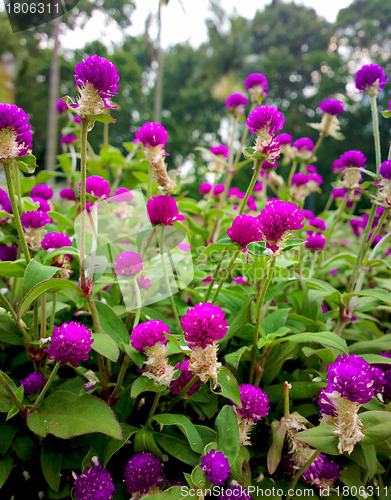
(216, 272)
(43, 315)
(13, 398)
(337, 217)
(35, 321)
(257, 169)
(149, 186)
(292, 172)
(260, 302)
(167, 280)
(287, 387)
(379, 225)
(39, 399)
(101, 359)
(183, 393)
(105, 134)
(17, 185)
(15, 211)
(316, 147)
(227, 273)
(53, 312)
(376, 133)
(83, 204)
(312, 459)
(154, 404)
(10, 309)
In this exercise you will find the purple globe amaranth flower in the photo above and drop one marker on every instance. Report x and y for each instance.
(34, 219)
(123, 194)
(245, 229)
(338, 166)
(308, 214)
(68, 194)
(152, 135)
(70, 343)
(338, 193)
(96, 483)
(317, 224)
(284, 139)
(204, 324)
(311, 169)
(315, 242)
(68, 139)
(352, 377)
(235, 192)
(42, 191)
(277, 220)
(256, 84)
(149, 334)
(379, 379)
(15, 132)
(163, 210)
(205, 188)
(33, 383)
(314, 181)
(143, 471)
(332, 107)
(97, 186)
(255, 403)
(215, 466)
(5, 205)
(128, 264)
(385, 169)
(376, 239)
(370, 79)
(269, 166)
(327, 406)
(44, 205)
(322, 473)
(304, 144)
(353, 158)
(97, 81)
(8, 252)
(143, 282)
(299, 179)
(55, 240)
(242, 280)
(61, 106)
(218, 189)
(221, 150)
(358, 225)
(236, 103)
(77, 119)
(265, 121)
(184, 378)
(235, 493)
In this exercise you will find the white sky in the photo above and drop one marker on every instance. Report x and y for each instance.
(184, 20)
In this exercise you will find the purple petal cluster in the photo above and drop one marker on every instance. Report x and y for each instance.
(322, 471)
(102, 74)
(68, 194)
(265, 118)
(8, 252)
(315, 242)
(284, 139)
(203, 324)
(97, 186)
(123, 194)
(358, 225)
(352, 377)
(218, 189)
(352, 158)
(279, 218)
(33, 383)
(299, 179)
(55, 240)
(95, 484)
(215, 466)
(143, 471)
(70, 343)
(149, 334)
(236, 102)
(15, 132)
(42, 191)
(205, 188)
(128, 264)
(235, 493)
(61, 106)
(68, 139)
(35, 219)
(245, 229)
(317, 224)
(44, 205)
(163, 210)
(255, 403)
(305, 143)
(256, 80)
(385, 170)
(152, 134)
(184, 378)
(221, 150)
(370, 77)
(326, 405)
(338, 193)
(5, 204)
(331, 106)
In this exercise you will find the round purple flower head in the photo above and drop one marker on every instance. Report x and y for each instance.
(143, 471)
(255, 403)
(55, 240)
(218, 189)
(163, 210)
(205, 188)
(244, 230)
(311, 169)
(315, 242)
(267, 166)
(256, 84)
(278, 218)
(42, 191)
(352, 377)
(15, 136)
(326, 405)
(220, 151)
(353, 159)
(35, 219)
(128, 264)
(379, 379)
(299, 179)
(68, 194)
(215, 466)
(123, 194)
(152, 134)
(265, 119)
(323, 472)
(234, 192)
(99, 75)
(338, 166)
(33, 383)
(385, 170)
(284, 139)
(236, 103)
(376, 239)
(370, 79)
(77, 119)
(235, 493)
(44, 205)
(8, 252)
(149, 334)
(5, 203)
(318, 224)
(61, 106)
(331, 106)
(203, 324)
(95, 484)
(308, 214)
(304, 144)
(70, 343)
(184, 378)
(68, 139)
(97, 186)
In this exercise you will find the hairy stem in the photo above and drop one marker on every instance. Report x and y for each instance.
(376, 133)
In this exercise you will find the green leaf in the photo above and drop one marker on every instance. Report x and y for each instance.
(376, 293)
(51, 459)
(233, 358)
(53, 285)
(13, 269)
(275, 450)
(111, 323)
(218, 247)
(113, 445)
(7, 433)
(374, 358)
(328, 339)
(102, 117)
(173, 493)
(6, 465)
(13, 411)
(369, 451)
(377, 426)
(257, 248)
(228, 438)
(142, 384)
(229, 386)
(136, 356)
(145, 441)
(380, 344)
(27, 163)
(177, 446)
(322, 438)
(386, 113)
(36, 273)
(61, 251)
(105, 345)
(9, 332)
(185, 426)
(275, 320)
(63, 222)
(66, 414)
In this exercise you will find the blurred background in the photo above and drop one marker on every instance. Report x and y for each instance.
(180, 59)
